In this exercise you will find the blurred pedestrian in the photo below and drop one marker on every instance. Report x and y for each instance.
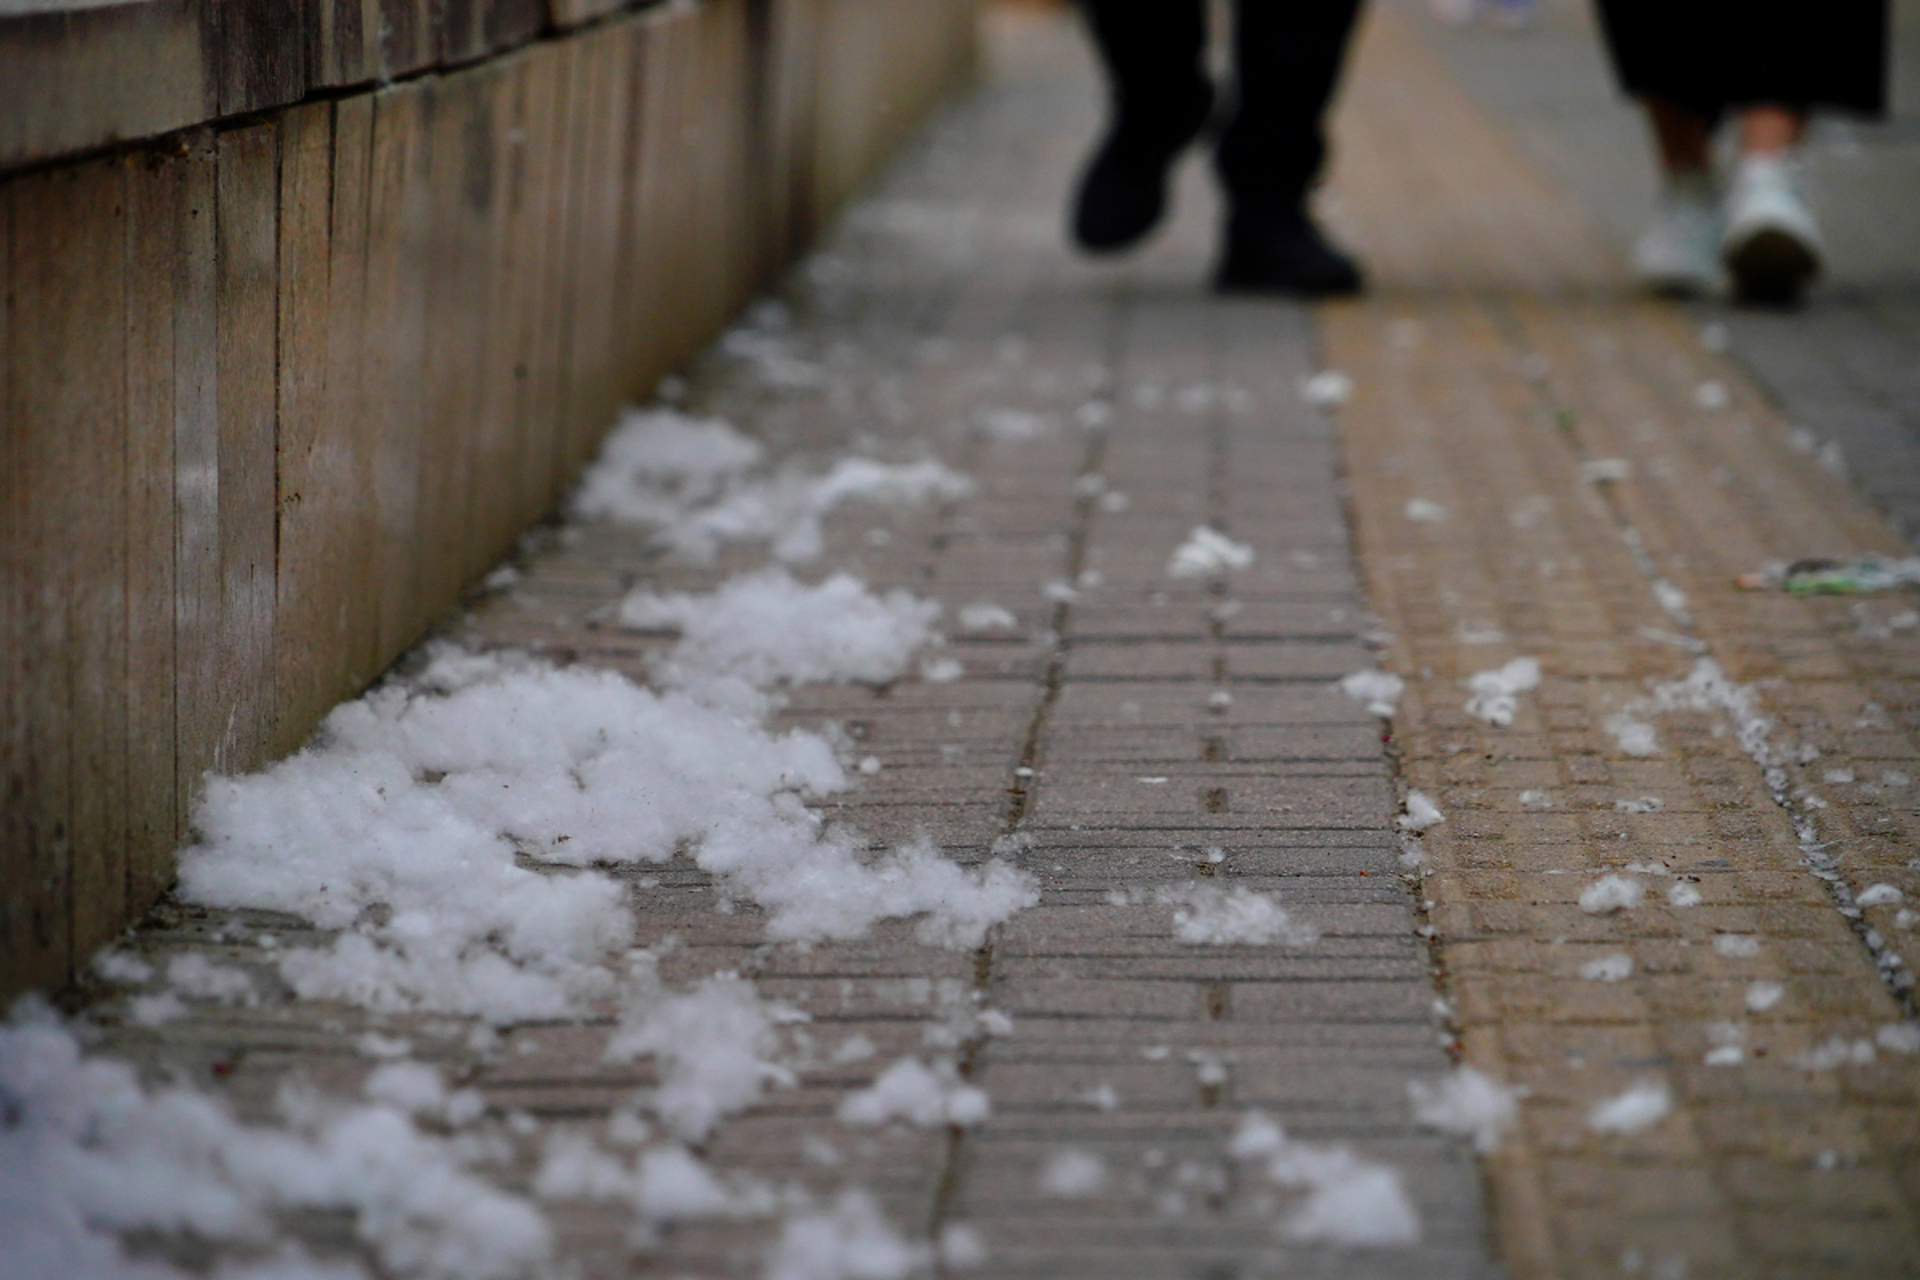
(1692, 63)
(1287, 55)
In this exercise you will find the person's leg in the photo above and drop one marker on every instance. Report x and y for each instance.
(1288, 54)
(1160, 97)
(1772, 243)
(1678, 254)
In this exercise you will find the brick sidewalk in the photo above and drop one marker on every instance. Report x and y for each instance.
(1140, 733)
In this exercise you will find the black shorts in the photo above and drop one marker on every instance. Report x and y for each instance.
(1709, 55)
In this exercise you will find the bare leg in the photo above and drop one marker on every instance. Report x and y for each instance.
(1770, 129)
(1684, 138)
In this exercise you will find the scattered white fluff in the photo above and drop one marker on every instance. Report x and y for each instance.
(1496, 693)
(1836, 1052)
(1346, 1199)
(975, 618)
(1207, 552)
(712, 1048)
(1424, 511)
(1072, 1174)
(1605, 471)
(1102, 1097)
(199, 978)
(1899, 1037)
(657, 464)
(851, 1241)
(1641, 804)
(1467, 1102)
(1533, 798)
(1712, 394)
(1643, 1104)
(1736, 946)
(1206, 915)
(1762, 996)
(1612, 893)
(1380, 690)
(767, 628)
(1880, 895)
(961, 1248)
(1327, 389)
(1729, 1044)
(419, 1090)
(664, 1183)
(1614, 968)
(942, 670)
(1634, 737)
(1015, 426)
(923, 1096)
(87, 1153)
(423, 800)
(687, 478)
(1421, 813)
(1682, 894)
(155, 1010)
(122, 967)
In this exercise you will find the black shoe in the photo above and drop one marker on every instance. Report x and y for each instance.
(1124, 190)
(1284, 255)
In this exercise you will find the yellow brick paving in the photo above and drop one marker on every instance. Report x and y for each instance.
(1586, 454)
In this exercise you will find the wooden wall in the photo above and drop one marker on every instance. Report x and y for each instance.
(275, 389)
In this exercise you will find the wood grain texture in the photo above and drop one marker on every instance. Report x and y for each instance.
(16, 561)
(246, 271)
(313, 459)
(198, 720)
(395, 335)
(89, 344)
(154, 183)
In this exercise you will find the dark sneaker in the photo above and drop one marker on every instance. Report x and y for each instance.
(1285, 255)
(1124, 190)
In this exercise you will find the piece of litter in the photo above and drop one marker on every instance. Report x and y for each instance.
(1206, 552)
(1614, 968)
(1421, 813)
(1496, 693)
(1612, 893)
(1642, 1105)
(1859, 575)
(1327, 389)
(1467, 1102)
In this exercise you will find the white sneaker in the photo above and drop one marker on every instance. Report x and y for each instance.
(1771, 244)
(1678, 254)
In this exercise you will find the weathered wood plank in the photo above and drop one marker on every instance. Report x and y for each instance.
(343, 42)
(155, 211)
(309, 631)
(87, 78)
(93, 359)
(395, 336)
(48, 245)
(245, 278)
(344, 486)
(545, 227)
(199, 717)
(260, 52)
(408, 39)
(17, 946)
(460, 202)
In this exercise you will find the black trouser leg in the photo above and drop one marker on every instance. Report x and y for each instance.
(1288, 54)
(1153, 53)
